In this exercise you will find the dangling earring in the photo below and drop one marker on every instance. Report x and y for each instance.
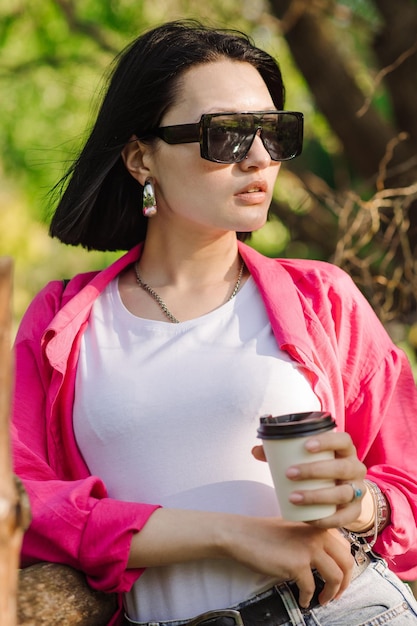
(149, 207)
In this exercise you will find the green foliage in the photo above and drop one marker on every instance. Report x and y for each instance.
(272, 239)
(363, 10)
(54, 54)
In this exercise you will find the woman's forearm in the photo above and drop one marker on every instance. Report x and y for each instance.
(271, 546)
(174, 536)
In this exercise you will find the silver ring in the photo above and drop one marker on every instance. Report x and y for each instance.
(357, 492)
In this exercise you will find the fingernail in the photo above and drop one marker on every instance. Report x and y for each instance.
(292, 472)
(312, 444)
(296, 497)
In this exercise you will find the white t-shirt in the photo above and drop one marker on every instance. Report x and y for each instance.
(167, 413)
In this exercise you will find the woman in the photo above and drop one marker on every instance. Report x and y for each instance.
(139, 388)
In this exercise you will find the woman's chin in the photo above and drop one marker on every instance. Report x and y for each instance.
(250, 226)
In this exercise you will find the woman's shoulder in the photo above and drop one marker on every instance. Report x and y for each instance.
(47, 302)
(299, 270)
(305, 273)
(316, 280)
(326, 285)
(312, 268)
(56, 292)
(314, 272)
(82, 288)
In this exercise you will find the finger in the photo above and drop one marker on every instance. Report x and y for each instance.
(343, 494)
(346, 512)
(336, 578)
(345, 470)
(343, 517)
(358, 491)
(346, 562)
(341, 443)
(340, 469)
(258, 453)
(306, 586)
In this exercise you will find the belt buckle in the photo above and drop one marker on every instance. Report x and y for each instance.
(210, 615)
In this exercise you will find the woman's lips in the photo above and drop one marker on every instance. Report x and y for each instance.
(254, 193)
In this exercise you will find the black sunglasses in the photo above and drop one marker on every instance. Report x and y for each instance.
(227, 137)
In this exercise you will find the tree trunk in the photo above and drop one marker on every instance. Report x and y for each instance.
(52, 594)
(396, 48)
(11, 531)
(382, 152)
(365, 137)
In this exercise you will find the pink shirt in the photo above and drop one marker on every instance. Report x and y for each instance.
(317, 315)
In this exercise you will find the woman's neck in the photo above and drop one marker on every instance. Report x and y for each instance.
(182, 261)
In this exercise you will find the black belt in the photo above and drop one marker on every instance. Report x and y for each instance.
(267, 608)
(269, 611)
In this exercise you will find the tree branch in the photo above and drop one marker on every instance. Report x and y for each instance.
(335, 89)
(68, 9)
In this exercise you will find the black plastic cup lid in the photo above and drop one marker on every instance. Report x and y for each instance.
(294, 425)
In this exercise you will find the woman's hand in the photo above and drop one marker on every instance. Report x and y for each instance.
(271, 546)
(289, 551)
(346, 470)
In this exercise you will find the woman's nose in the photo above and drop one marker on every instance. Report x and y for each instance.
(258, 155)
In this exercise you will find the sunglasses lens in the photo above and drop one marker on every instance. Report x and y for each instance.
(228, 138)
(282, 136)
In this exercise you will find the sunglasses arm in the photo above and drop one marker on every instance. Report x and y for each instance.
(185, 133)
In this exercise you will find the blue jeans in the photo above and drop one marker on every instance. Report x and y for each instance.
(376, 598)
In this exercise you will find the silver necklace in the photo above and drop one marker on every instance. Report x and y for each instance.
(162, 304)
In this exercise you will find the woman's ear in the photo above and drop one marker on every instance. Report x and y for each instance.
(134, 155)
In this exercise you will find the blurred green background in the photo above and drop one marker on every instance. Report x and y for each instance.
(54, 55)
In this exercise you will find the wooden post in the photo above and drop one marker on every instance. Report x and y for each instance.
(10, 531)
(51, 594)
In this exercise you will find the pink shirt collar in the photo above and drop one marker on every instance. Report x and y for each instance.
(274, 283)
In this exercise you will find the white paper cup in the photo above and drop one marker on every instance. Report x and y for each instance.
(283, 439)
